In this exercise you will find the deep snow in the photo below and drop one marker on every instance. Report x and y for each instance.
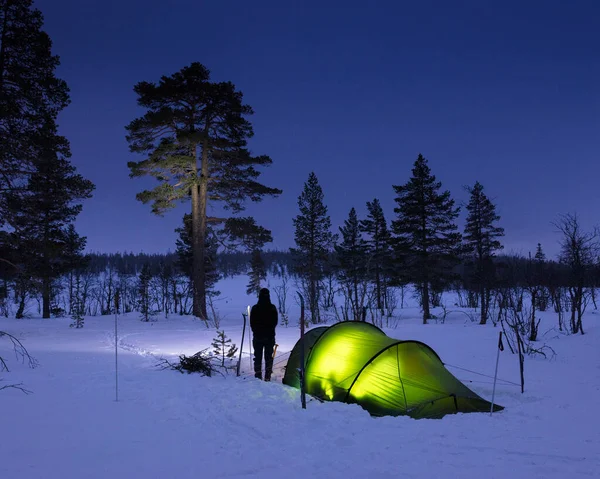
(169, 425)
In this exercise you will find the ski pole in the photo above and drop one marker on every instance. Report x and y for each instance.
(302, 383)
(500, 348)
(241, 345)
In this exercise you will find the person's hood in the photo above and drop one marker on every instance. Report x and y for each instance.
(264, 296)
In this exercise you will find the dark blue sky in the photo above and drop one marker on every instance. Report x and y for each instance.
(503, 92)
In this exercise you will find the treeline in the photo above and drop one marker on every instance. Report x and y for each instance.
(371, 258)
(197, 147)
(228, 264)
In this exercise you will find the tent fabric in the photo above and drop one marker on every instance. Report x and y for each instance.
(292, 374)
(356, 362)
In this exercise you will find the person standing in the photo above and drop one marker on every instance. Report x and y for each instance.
(263, 320)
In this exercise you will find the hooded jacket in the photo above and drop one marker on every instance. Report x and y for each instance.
(263, 316)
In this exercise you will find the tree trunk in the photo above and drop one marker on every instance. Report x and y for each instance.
(199, 200)
(483, 305)
(533, 326)
(3, 46)
(314, 310)
(21, 310)
(425, 300)
(46, 284)
(357, 312)
(378, 283)
(70, 292)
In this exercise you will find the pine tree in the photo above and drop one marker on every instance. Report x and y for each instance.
(539, 253)
(378, 249)
(31, 96)
(41, 214)
(195, 134)
(425, 235)
(257, 274)
(314, 242)
(37, 184)
(144, 293)
(540, 278)
(481, 241)
(74, 260)
(244, 233)
(351, 258)
(222, 347)
(77, 306)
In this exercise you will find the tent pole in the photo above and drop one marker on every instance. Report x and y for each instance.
(302, 383)
(500, 348)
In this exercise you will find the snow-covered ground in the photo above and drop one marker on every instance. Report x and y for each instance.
(169, 425)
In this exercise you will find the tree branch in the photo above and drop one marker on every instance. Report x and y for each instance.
(18, 386)
(20, 352)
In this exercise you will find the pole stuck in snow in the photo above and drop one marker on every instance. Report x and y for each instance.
(500, 348)
(301, 371)
(116, 359)
(249, 333)
(241, 345)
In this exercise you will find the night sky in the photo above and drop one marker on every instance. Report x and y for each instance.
(503, 92)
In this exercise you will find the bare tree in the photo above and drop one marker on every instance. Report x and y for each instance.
(281, 292)
(579, 250)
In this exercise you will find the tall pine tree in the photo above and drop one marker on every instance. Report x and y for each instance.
(314, 242)
(378, 249)
(351, 258)
(425, 235)
(481, 242)
(194, 135)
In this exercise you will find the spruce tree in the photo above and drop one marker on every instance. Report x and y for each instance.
(481, 242)
(258, 273)
(314, 242)
(351, 258)
(77, 306)
(541, 278)
(143, 291)
(378, 249)
(539, 253)
(74, 261)
(194, 135)
(245, 234)
(31, 96)
(425, 235)
(41, 214)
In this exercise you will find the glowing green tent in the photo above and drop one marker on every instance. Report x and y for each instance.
(357, 362)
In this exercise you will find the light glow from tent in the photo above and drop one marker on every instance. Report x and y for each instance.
(356, 362)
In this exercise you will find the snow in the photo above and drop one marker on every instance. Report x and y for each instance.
(170, 425)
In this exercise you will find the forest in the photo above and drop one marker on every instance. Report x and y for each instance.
(193, 137)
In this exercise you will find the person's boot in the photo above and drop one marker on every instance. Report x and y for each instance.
(267, 376)
(258, 375)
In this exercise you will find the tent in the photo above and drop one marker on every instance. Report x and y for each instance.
(356, 362)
